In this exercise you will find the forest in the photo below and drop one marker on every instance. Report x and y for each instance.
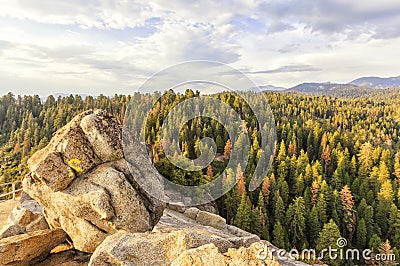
(335, 173)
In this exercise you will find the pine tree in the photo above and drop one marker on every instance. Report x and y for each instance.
(282, 152)
(263, 217)
(265, 189)
(386, 249)
(314, 192)
(279, 235)
(396, 253)
(394, 225)
(210, 173)
(255, 223)
(241, 185)
(279, 213)
(228, 150)
(361, 233)
(328, 238)
(231, 200)
(283, 188)
(349, 218)
(366, 212)
(365, 155)
(385, 199)
(314, 226)
(375, 243)
(220, 144)
(296, 221)
(242, 218)
(321, 208)
(383, 172)
(299, 184)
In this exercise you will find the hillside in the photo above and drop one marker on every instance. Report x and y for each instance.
(377, 82)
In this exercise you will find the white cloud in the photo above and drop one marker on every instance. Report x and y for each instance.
(104, 45)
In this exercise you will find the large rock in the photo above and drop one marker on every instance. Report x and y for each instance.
(210, 255)
(27, 217)
(172, 220)
(211, 219)
(29, 248)
(103, 133)
(68, 155)
(87, 188)
(181, 240)
(151, 248)
(204, 255)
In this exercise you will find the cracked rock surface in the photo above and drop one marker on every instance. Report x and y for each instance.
(85, 185)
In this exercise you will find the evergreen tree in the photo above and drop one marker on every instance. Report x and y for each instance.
(314, 226)
(264, 219)
(279, 213)
(394, 226)
(243, 215)
(375, 243)
(256, 221)
(348, 212)
(279, 235)
(361, 233)
(228, 150)
(265, 189)
(241, 185)
(296, 221)
(328, 238)
(321, 208)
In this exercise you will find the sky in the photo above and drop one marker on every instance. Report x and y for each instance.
(106, 46)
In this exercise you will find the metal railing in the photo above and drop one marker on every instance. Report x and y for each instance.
(13, 191)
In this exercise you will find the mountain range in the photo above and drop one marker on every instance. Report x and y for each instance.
(360, 83)
(377, 82)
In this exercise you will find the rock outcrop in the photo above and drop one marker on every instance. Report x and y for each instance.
(178, 239)
(27, 217)
(173, 235)
(210, 255)
(85, 185)
(150, 248)
(29, 248)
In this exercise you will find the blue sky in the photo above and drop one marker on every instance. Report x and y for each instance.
(105, 46)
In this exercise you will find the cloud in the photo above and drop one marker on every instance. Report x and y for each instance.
(288, 48)
(279, 27)
(286, 69)
(117, 44)
(378, 18)
(86, 14)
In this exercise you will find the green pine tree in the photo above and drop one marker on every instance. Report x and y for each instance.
(361, 235)
(243, 215)
(296, 221)
(328, 238)
(279, 235)
(314, 226)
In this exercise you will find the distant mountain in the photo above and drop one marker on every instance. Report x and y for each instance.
(322, 87)
(266, 88)
(377, 82)
(333, 89)
(271, 88)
